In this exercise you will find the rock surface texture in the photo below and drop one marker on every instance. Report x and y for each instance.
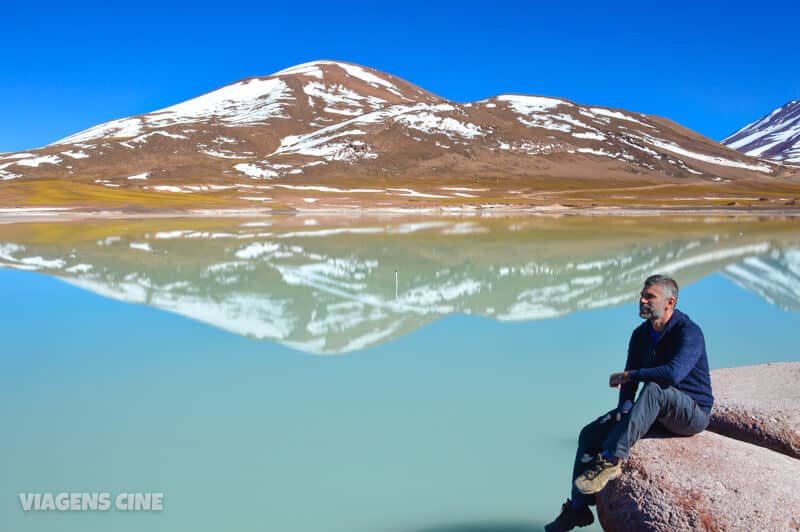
(760, 405)
(715, 482)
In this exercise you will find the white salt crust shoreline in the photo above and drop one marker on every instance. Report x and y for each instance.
(67, 214)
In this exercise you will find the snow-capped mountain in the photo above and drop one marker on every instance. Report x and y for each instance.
(365, 137)
(332, 289)
(774, 136)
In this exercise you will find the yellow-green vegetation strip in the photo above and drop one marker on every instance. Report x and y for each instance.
(61, 193)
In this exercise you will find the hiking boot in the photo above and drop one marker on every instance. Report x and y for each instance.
(569, 518)
(597, 476)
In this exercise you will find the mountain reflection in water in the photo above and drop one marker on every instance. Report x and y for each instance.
(325, 287)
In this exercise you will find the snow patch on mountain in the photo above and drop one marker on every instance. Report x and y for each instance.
(143, 138)
(254, 171)
(616, 114)
(312, 69)
(775, 136)
(720, 161)
(589, 136)
(538, 112)
(5, 175)
(317, 145)
(36, 161)
(363, 75)
(17, 156)
(121, 128)
(224, 154)
(341, 100)
(76, 154)
(170, 188)
(306, 69)
(602, 153)
(245, 102)
(528, 105)
(251, 101)
(428, 122)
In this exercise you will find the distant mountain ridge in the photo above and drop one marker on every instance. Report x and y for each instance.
(774, 136)
(375, 139)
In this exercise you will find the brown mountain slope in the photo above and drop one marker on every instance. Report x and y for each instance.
(335, 134)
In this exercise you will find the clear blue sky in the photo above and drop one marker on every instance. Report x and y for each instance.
(712, 67)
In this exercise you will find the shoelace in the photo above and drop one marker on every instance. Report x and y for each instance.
(596, 469)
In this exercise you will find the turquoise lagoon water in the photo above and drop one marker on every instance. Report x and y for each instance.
(251, 378)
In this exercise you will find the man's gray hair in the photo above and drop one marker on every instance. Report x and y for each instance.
(667, 284)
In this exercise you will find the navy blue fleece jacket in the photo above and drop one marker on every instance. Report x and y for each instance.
(677, 359)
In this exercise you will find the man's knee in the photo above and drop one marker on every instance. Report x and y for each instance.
(652, 389)
(652, 394)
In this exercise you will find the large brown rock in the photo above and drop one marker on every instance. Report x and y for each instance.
(759, 404)
(705, 482)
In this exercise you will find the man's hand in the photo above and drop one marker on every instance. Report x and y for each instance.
(617, 414)
(618, 379)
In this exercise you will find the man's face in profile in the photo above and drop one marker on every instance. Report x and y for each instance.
(652, 304)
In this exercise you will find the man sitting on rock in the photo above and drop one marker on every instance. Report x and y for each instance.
(667, 353)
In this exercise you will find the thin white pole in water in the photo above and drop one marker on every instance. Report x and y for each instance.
(396, 285)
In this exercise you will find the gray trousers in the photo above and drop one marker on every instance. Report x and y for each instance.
(674, 410)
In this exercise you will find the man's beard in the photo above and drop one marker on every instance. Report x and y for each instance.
(650, 313)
